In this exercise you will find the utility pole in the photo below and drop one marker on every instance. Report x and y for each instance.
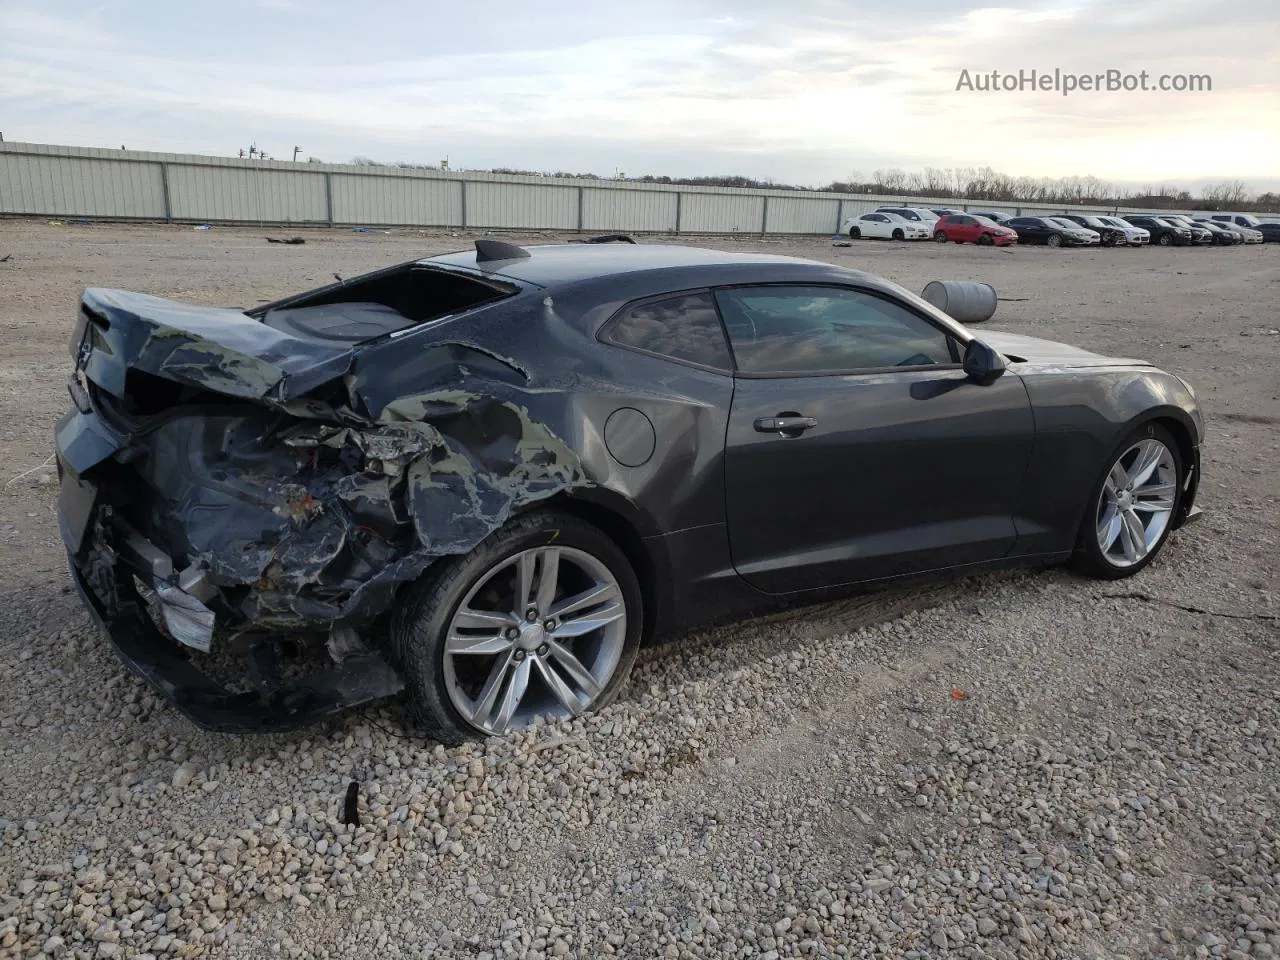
(296, 151)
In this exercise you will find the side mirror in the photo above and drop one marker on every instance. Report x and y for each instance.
(982, 365)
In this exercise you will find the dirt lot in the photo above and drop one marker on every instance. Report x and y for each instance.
(1016, 765)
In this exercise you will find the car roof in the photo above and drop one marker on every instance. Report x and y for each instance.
(554, 264)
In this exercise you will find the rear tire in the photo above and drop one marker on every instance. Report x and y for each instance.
(431, 630)
(1127, 523)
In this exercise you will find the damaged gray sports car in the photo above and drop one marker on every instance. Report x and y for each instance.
(487, 478)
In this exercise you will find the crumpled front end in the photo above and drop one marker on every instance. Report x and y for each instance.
(215, 524)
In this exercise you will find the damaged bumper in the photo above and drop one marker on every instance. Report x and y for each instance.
(272, 705)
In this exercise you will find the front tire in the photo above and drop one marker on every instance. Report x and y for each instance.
(941, 237)
(985, 240)
(855, 233)
(1132, 506)
(544, 617)
(898, 234)
(1165, 240)
(1054, 240)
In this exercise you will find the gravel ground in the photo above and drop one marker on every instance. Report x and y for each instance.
(1018, 765)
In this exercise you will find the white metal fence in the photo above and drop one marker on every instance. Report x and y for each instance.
(53, 181)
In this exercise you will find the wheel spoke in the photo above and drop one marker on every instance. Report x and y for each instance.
(492, 687)
(464, 644)
(1149, 454)
(594, 620)
(1155, 498)
(1117, 477)
(1133, 536)
(470, 619)
(556, 684)
(548, 577)
(597, 595)
(1109, 528)
(525, 569)
(573, 666)
(514, 694)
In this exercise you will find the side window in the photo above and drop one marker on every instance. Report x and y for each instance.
(682, 328)
(797, 330)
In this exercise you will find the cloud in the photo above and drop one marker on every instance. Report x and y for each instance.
(804, 91)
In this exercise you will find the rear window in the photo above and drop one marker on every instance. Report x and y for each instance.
(685, 328)
(365, 308)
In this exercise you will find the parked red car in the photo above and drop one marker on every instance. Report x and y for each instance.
(967, 228)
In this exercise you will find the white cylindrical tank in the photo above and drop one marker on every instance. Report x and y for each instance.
(967, 301)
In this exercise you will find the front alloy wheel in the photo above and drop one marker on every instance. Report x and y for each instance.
(1054, 240)
(1132, 511)
(543, 619)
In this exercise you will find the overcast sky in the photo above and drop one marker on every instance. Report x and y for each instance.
(801, 91)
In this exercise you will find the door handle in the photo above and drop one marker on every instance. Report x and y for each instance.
(788, 426)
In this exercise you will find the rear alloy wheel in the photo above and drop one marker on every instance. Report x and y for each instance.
(985, 240)
(898, 234)
(1054, 240)
(542, 619)
(941, 237)
(855, 233)
(1132, 509)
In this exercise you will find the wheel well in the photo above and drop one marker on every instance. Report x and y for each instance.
(1181, 436)
(618, 529)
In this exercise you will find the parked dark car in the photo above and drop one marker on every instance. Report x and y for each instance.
(488, 477)
(944, 211)
(1270, 231)
(1162, 231)
(995, 216)
(1221, 235)
(1044, 230)
(1109, 236)
(1200, 233)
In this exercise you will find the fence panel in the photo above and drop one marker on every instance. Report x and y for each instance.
(522, 206)
(61, 186)
(414, 201)
(640, 210)
(720, 213)
(801, 215)
(238, 194)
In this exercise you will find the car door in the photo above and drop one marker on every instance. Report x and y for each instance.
(875, 225)
(1030, 230)
(970, 230)
(857, 449)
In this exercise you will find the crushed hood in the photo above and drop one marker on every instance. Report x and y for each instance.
(221, 350)
(1035, 350)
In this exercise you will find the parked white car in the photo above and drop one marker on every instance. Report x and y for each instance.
(914, 214)
(1134, 236)
(886, 226)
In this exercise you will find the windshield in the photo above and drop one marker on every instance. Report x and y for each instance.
(1064, 223)
(1249, 218)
